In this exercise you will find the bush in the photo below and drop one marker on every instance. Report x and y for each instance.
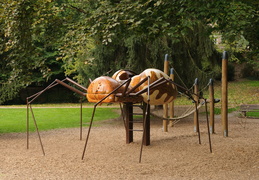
(250, 72)
(231, 72)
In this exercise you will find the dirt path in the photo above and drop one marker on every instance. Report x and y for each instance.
(172, 155)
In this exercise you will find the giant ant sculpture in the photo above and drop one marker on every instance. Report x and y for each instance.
(152, 86)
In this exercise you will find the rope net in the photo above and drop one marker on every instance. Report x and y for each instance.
(180, 112)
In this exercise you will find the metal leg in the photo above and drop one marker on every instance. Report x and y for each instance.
(56, 82)
(36, 126)
(146, 115)
(81, 118)
(198, 123)
(145, 121)
(27, 124)
(145, 138)
(91, 122)
(208, 125)
(89, 129)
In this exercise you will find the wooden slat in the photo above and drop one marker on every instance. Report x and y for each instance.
(249, 107)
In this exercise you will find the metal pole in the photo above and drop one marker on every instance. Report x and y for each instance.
(89, 129)
(93, 113)
(196, 99)
(165, 106)
(224, 95)
(145, 125)
(37, 130)
(207, 119)
(27, 123)
(197, 124)
(212, 113)
(70, 87)
(81, 117)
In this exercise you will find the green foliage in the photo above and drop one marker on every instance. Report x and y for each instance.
(41, 39)
(238, 26)
(137, 35)
(29, 47)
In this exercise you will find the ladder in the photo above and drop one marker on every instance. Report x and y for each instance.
(128, 109)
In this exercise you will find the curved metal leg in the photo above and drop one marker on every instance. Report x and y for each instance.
(81, 117)
(145, 120)
(208, 125)
(36, 126)
(27, 124)
(198, 123)
(91, 122)
(89, 129)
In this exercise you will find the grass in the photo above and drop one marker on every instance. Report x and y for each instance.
(230, 110)
(14, 119)
(239, 92)
(252, 114)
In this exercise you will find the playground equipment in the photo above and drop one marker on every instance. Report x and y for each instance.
(152, 86)
(224, 95)
(133, 89)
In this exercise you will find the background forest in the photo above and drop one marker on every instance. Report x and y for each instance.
(42, 40)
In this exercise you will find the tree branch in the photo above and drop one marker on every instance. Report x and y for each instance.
(76, 8)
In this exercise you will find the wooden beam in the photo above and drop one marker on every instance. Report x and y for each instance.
(165, 106)
(196, 98)
(128, 110)
(224, 95)
(171, 104)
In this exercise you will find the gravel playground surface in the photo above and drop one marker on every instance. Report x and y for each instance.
(172, 155)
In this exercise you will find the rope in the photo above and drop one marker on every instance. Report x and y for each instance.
(205, 87)
(180, 78)
(184, 115)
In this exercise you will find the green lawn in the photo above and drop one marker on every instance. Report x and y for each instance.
(253, 114)
(14, 119)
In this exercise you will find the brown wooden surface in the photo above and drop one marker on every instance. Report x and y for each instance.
(224, 98)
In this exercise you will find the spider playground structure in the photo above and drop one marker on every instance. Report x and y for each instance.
(151, 87)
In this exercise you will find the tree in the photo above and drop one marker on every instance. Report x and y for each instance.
(90, 38)
(187, 25)
(31, 33)
(137, 34)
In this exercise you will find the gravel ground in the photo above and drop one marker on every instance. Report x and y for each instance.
(172, 155)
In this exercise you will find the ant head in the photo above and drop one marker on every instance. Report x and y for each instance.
(123, 75)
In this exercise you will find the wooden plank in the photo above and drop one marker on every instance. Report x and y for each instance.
(249, 107)
(128, 109)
